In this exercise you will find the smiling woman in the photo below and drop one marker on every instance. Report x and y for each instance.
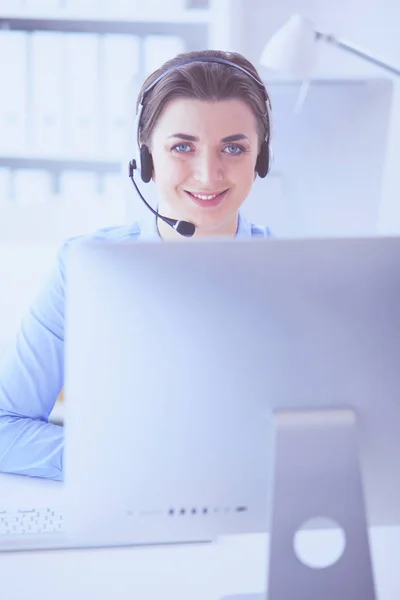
(203, 130)
(203, 133)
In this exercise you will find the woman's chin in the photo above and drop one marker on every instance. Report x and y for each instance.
(219, 222)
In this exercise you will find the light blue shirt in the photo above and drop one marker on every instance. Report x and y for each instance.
(32, 372)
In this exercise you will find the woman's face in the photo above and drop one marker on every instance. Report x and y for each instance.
(204, 156)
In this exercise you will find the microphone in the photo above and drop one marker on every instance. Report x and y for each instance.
(182, 227)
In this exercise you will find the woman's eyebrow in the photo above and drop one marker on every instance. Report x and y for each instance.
(192, 138)
(184, 136)
(235, 137)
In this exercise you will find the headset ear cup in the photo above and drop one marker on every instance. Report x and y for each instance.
(263, 160)
(146, 164)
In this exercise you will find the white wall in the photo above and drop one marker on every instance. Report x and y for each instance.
(370, 24)
(331, 183)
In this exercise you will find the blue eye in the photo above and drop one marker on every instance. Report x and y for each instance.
(181, 148)
(234, 149)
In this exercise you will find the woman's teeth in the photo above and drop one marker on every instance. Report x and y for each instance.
(204, 197)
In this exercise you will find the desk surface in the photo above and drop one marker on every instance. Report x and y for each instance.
(234, 565)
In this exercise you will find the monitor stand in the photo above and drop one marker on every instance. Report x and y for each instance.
(317, 474)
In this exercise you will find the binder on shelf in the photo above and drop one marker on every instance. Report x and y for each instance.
(31, 187)
(81, 8)
(82, 93)
(5, 192)
(120, 9)
(12, 7)
(48, 93)
(160, 48)
(77, 188)
(120, 66)
(78, 200)
(43, 8)
(113, 201)
(13, 102)
(168, 8)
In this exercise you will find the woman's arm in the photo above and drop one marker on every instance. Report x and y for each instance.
(31, 378)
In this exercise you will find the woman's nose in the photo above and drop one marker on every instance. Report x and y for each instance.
(208, 168)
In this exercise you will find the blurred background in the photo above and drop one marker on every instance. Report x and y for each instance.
(69, 74)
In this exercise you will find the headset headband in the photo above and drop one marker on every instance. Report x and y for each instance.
(204, 59)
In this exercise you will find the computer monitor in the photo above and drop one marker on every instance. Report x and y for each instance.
(228, 387)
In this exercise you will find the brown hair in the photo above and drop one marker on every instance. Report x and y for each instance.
(204, 81)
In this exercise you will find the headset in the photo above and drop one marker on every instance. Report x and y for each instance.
(144, 162)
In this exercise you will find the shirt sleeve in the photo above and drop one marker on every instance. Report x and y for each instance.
(31, 378)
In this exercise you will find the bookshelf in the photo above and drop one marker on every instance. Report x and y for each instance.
(191, 25)
(55, 164)
(202, 24)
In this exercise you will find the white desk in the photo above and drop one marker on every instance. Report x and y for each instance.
(235, 565)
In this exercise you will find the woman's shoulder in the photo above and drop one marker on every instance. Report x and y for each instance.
(117, 233)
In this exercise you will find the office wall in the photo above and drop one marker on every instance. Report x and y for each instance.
(330, 182)
(370, 24)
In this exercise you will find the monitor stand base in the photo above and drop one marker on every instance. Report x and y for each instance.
(317, 474)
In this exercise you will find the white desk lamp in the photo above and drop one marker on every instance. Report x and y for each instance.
(293, 49)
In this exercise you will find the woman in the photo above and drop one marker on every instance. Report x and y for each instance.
(203, 131)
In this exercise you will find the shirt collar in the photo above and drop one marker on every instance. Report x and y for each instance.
(149, 231)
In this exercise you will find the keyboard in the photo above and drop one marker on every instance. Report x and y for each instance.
(25, 522)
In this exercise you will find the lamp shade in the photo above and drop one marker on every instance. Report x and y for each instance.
(292, 49)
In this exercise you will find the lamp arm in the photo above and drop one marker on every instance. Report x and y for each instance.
(333, 40)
